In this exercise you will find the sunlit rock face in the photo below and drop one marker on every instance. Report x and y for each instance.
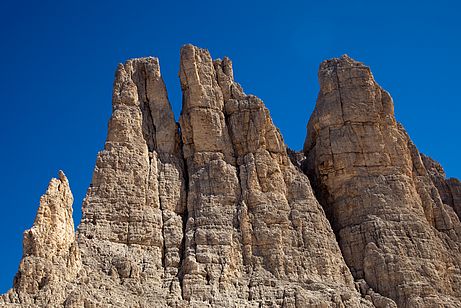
(395, 231)
(215, 211)
(255, 234)
(51, 258)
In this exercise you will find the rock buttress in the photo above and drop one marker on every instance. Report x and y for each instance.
(393, 229)
(255, 233)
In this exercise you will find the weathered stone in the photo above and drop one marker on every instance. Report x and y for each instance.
(132, 225)
(51, 257)
(449, 189)
(255, 232)
(216, 212)
(393, 229)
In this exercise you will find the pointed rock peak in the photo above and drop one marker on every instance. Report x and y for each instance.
(132, 219)
(139, 84)
(198, 68)
(217, 115)
(197, 74)
(225, 77)
(133, 75)
(349, 93)
(62, 176)
(189, 50)
(213, 76)
(53, 228)
(366, 173)
(191, 56)
(237, 163)
(50, 253)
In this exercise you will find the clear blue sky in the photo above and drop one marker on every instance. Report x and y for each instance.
(58, 61)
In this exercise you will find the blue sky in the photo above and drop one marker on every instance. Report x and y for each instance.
(59, 58)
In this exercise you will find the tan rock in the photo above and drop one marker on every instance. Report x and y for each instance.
(393, 229)
(448, 188)
(255, 232)
(51, 257)
(216, 212)
(132, 226)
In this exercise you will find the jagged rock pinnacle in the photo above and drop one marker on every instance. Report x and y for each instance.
(252, 216)
(216, 212)
(51, 258)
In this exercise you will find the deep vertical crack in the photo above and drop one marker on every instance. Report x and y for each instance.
(339, 92)
(185, 215)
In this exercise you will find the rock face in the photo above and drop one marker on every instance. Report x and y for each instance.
(449, 189)
(51, 259)
(216, 212)
(255, 234)
(394, 231)
(131, 232)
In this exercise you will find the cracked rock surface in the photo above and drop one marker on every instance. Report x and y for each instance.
(215, 211)
(255, 234)
(51, 258)
(396, 229)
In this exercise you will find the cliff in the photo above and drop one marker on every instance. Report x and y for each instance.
(215, 211)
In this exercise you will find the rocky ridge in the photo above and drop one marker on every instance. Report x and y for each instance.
(215, 211)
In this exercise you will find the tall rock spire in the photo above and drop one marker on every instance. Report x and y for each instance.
(131, 230)
(255, 232)
(213, 213)
(393, 229)
(50, 255)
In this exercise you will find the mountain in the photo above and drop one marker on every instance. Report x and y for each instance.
(215, 211)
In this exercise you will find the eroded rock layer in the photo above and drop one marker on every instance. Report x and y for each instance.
(394, 231)
(216, 212)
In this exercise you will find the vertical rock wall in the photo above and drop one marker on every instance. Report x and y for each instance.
(392, 227)
(255, 232)
(215, 212)
(132, 224)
